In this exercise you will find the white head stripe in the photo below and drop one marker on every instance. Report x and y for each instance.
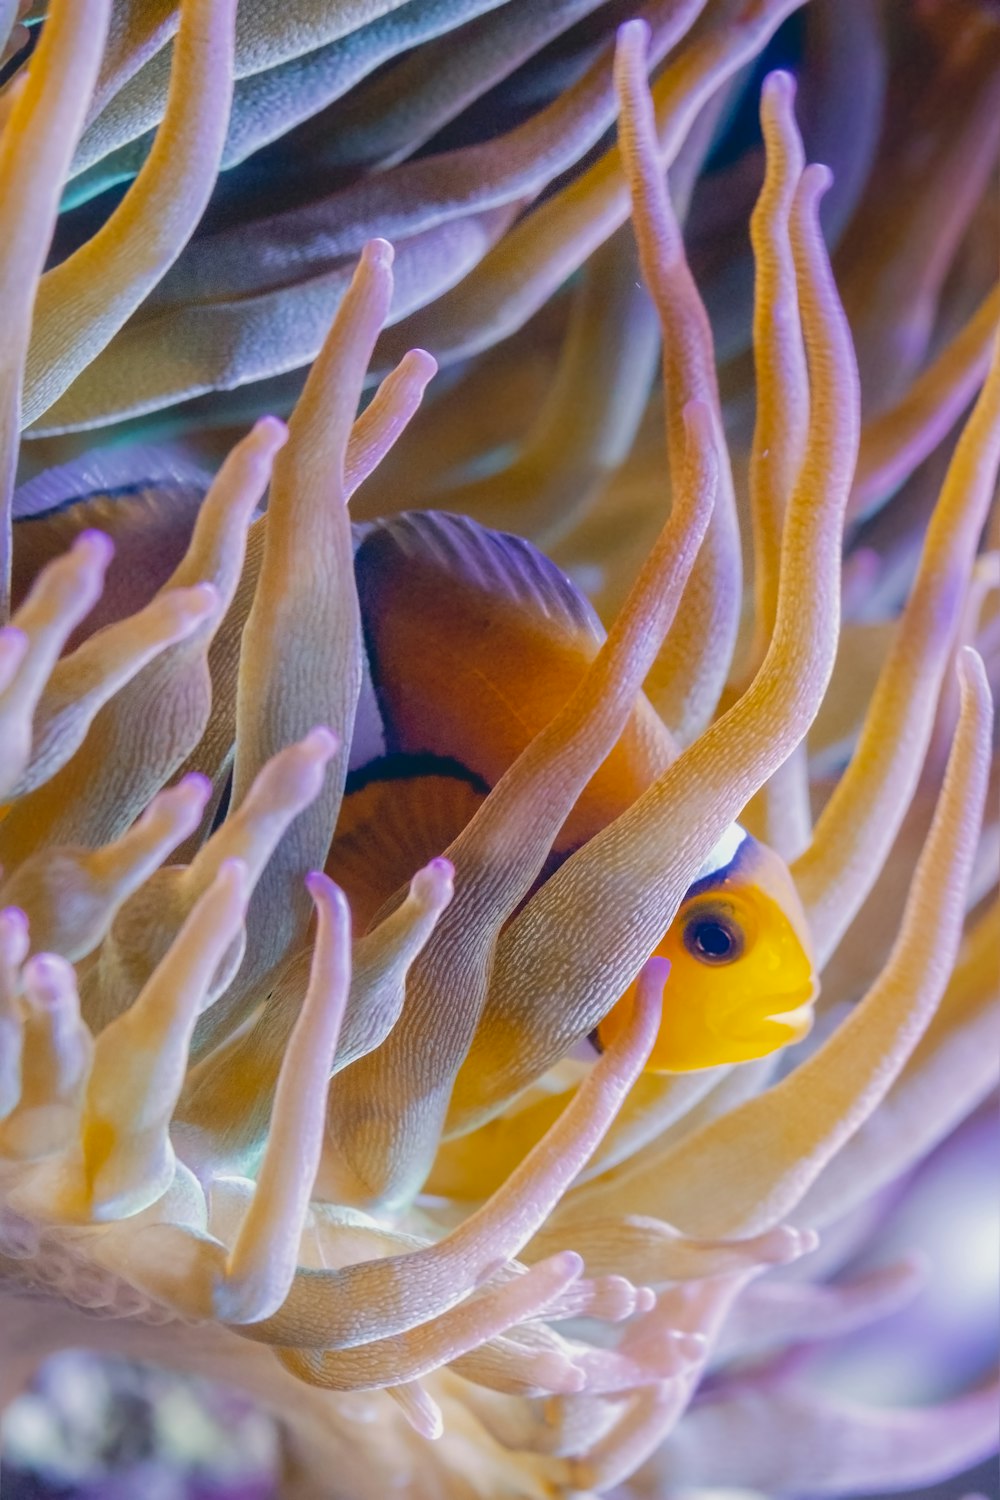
(723, 853)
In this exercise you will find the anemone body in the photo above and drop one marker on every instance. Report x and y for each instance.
(296, 1099)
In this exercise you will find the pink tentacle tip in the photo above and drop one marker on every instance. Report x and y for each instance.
(14, 938)
(568, 1380)
(14, 935)
(379, 252)
(690, 1346)
(654, 973)
(272, 430)
(41, 965)
(48, 978)
(565, 1265)
(424, 362)
(321, 888)
(794, 1243)
(634, 35)
(971, 669)
(779, 85)
(196, 785)
(96, 545)
(323, 739)
(815, 182)
(433, 885)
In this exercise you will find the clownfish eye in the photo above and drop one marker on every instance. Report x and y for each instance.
(713, 938)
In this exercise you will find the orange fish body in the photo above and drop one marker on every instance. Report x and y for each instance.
(474, 641)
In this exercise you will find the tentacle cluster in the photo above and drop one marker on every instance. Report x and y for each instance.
(237, 1136)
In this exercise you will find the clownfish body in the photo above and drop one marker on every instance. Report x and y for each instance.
(474, 640)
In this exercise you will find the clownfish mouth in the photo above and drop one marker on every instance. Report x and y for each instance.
(794, 1018)
(799, 1019)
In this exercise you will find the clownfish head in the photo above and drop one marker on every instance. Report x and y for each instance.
(742, 976)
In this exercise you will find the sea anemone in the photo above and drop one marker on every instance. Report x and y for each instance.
(370, 1176)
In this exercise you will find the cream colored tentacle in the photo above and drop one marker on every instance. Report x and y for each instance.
(780, 432)
(142, 735)
(383, 1298)
(80, 684)
(83, 301)
(745, 1171)
(228, 1094)
(301, 654)
(856, 829)
(72, 894)
(150, 921)
(573, 951)
(38, 138)
(406, 1356)
(62, 595)
(895, 442)
(262, 1262)
(692, 664)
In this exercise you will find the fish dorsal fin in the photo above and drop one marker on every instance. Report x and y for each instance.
(495, 565)
(397, 814)
(145, 499)
(474, 638)
(475, 641)
(113, 474)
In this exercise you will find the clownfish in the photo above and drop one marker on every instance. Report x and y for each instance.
(473, 641)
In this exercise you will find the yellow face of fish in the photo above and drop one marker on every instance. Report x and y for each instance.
(742, 979)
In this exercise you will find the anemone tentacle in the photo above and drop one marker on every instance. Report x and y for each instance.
(397, 1018)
